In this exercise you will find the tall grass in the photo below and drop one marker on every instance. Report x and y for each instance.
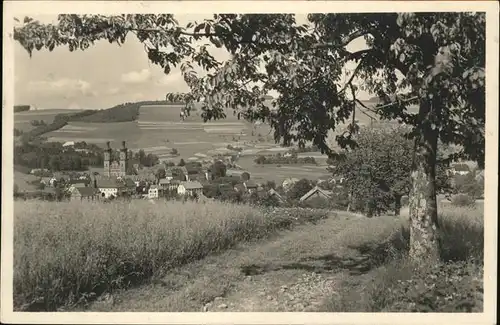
(454, 284)
(65, 253)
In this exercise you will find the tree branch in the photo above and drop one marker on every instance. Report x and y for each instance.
(344, 42)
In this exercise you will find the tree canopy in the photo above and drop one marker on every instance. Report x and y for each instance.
(304, 64)
(433, 60)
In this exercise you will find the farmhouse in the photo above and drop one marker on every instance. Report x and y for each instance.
(316, 192)
(109, 187)
(81, 193)
(164, 183)
(154, 191)
(190, 188)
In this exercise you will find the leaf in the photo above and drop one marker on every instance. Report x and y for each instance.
(199, 27)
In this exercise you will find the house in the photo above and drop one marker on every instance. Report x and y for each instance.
(164, 183)
(69, 144)
(168, 175)
(190, 188)
(154, 191)
(111, 187)
(48, 181)
(460, 169)
(240, 187)
(84, 193)
(173, 185)
(316, 192)
(73, 183)
(130, 185)
(251, 186)
(39, 170)
(276, 195)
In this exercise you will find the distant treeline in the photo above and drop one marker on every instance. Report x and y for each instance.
(60, 120)
(120, 113)
(21, 108)
(123, 113)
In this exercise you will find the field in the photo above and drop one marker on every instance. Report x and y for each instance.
(216, 257)
(22, 181)
(22, 119)
(158, 130)
(66, 251)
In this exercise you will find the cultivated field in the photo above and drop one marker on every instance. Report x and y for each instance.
(343, 263)
(70, 251)
(22, 119)
(98, 133)
(158, 130)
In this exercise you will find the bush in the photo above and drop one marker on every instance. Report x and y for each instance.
(445, 287)
(452, 285)
(66, 253)
(462, 200)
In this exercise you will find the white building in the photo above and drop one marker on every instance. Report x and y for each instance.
(190, 188)
(111, 187)
(154, 192)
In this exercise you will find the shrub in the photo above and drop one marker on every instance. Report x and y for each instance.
(444, 287)
(452, 285)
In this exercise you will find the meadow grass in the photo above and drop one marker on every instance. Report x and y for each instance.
(454, 284)
(71, 252)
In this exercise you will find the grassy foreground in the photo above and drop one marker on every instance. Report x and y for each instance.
(453, 285)
(66, 253)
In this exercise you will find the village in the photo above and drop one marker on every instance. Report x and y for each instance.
(213, 179)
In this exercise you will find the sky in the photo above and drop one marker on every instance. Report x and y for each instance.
(100, 77)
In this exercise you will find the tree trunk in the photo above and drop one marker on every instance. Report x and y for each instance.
(370, 207)
(424, 242)
(397, 204)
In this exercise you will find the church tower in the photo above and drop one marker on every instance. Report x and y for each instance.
(107, 160)
(123, 160)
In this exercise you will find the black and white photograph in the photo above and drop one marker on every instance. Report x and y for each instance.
(225, 158)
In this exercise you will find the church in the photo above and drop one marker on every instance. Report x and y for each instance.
(115, 168)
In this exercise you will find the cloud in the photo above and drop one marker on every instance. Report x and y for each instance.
(64, 87)
(136, 77)
(113, 91)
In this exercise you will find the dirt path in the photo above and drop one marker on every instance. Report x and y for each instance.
(295, 271)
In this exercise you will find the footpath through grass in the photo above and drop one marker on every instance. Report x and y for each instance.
(67, 254)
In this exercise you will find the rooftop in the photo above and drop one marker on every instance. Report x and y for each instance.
(192, 185)
(86, 191)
